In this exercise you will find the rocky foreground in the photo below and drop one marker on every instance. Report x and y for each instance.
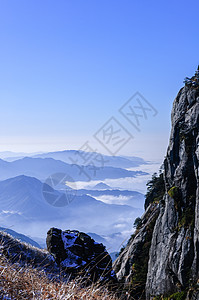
(27, 272)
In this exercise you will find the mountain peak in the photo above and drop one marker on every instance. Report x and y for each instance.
(102, 186)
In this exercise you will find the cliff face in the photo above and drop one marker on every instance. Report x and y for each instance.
(173, 255)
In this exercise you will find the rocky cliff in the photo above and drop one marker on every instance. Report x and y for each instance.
(162, 257)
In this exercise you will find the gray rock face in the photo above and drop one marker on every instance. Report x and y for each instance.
(124, 262)
(174, 253)
(135, 255)
(77, 253)
(173, 260)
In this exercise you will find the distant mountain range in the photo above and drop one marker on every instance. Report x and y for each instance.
(23, 206)
(29, 203)
(115, 196)
(41, 168)
(80, 158)
(14, 155)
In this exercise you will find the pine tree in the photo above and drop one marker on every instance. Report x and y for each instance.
(197, 74)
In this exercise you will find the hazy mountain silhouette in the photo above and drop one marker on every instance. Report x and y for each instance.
(24, 206)
(69, 156)
(42, 168)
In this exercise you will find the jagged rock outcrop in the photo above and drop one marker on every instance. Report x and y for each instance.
(174, 253)
(77, 254)
(173, 259)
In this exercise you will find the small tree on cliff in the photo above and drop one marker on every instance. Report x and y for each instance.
(197, 74)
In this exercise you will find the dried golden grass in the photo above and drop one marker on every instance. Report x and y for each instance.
(19, 283)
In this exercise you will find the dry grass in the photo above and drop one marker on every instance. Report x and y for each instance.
(27, 272)
(17, 282)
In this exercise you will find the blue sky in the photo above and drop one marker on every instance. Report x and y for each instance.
(67, 66)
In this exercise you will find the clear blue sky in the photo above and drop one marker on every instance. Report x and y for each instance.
(67, 66)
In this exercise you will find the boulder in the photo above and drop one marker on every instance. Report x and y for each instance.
(77, 253)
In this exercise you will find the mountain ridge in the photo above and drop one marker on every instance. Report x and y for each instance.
(42, 168)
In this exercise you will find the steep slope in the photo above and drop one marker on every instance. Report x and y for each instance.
(167, 240)
(174, 254)
(21, 237)
(24, 254)
(132, 264)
